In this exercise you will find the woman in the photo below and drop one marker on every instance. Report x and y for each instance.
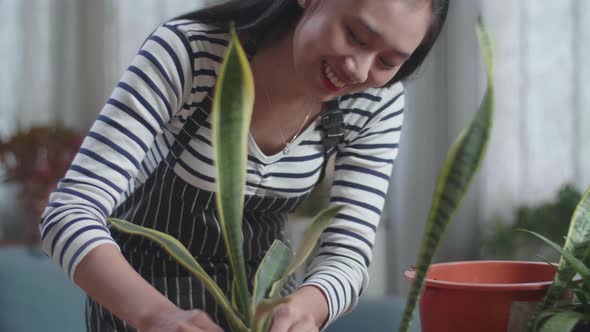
(148, 157)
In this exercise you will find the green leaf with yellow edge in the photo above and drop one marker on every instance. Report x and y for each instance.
(563, 321)
(310, 238)
(173, 247)
(461, 165)
(577, 247)
(232, 111)
(542, 317)
(577, 265)
(263, 312)
(274, 265)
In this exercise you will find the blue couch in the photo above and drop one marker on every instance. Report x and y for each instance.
(35, 295)
(374, 315)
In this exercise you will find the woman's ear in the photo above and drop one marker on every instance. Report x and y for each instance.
(302, 3)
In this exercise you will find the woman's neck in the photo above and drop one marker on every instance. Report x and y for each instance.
(282, 107)
(274, 75)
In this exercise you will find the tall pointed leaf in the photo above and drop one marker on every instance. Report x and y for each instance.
(232, 111)
(173, 247)
(261, 319)
(576, 244)
(310, 238)
(576, 265)
(463, 161)
(272, 268)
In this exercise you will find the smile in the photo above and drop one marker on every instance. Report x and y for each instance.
(335, 81)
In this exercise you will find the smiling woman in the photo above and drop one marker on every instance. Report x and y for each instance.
(365, 42)
(327, 76)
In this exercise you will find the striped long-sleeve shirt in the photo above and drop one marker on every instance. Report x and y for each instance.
(165, 84)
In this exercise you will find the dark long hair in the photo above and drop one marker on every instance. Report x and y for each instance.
(265, 21)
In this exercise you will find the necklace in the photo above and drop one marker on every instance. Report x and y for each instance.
(286, 149)
(287, 145)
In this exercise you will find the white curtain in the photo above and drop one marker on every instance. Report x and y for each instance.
(541, 125)
(543, 121)
(60, 60)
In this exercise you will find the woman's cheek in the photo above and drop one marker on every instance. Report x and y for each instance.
(383, 77)
(376, 80)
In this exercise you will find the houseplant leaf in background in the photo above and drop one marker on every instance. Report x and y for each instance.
(574, 264)
(462, 162)
(574, 260)
(562, 321)
(577, 243)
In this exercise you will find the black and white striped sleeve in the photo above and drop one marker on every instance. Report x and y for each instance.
(363, 167)
(148, 95)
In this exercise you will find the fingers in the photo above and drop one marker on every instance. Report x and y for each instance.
(203, 321)
(287, 319)
(281, 319)
(303, 326)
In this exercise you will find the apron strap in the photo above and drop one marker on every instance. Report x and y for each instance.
(332, 125)
(188, 131)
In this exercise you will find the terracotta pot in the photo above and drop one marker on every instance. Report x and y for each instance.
(481, 295)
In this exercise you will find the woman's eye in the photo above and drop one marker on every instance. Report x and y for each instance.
(354, 38)
(386, 65)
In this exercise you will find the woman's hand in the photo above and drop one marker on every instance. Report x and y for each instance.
(306, 311)
(290, 318)
(181, 321)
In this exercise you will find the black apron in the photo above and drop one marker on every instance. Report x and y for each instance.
(167, 203)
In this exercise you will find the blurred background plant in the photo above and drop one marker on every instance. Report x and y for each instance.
(35, 159)
(549, 218)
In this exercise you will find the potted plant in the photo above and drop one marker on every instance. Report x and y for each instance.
(484, 296)
(461, 164)
(575, 258)
(232, 109)
(461, 296)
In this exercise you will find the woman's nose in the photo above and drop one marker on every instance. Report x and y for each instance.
(358, 67)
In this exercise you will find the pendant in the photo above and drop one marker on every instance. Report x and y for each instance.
(286, 150)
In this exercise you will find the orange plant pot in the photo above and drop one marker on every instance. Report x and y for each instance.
(478, 295)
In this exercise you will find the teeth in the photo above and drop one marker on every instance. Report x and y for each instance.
(332, 77)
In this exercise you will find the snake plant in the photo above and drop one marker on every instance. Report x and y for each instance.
(575, 259)
(461, 164)
(232, 110)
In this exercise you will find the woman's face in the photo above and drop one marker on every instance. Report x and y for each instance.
(345, 46)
